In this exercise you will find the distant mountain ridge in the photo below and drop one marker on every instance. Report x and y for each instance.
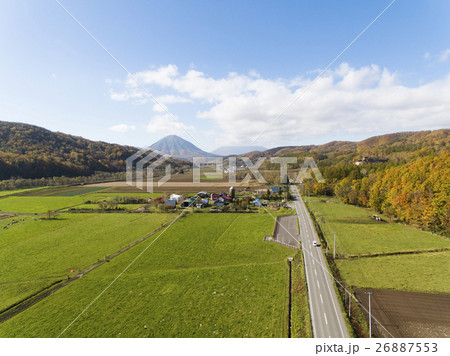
(394, 147)
(29, 151)
(178, 147)
(237, 150)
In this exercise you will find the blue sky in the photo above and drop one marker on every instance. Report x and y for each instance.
(226, 71)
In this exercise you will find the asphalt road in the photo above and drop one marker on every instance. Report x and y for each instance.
(287, 231)
(326, 315)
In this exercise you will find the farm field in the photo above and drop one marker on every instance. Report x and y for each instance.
(4, 193)
(408, 314)
(424, 272)
(111, 194)
(97, 207)
(35, 253)
(61, 191)
(403, 283)
(207, 275)
(176, 186)
(37, 204)
(357, 233)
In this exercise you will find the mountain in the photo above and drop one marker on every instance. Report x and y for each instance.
(177, 147)
(395, 147)
(29, 151)
(237, 150)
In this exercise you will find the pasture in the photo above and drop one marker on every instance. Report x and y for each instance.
(35, 253)
(207, 275)
(357, 233)
(61, 191)
(35, 204)
(424, 272)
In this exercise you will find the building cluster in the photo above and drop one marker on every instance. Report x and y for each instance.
(201, 200)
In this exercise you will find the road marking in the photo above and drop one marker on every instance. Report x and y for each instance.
(315, 272)
(318, 285)
(326, 321)
(313, 262)
(321, 298)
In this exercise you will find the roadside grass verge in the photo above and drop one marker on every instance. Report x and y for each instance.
(208, 275)
(301, 318)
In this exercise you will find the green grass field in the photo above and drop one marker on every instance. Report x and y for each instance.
(35, 253)
(208, 275)
(4, 193)
(18, 204)
(96, 206)
(62, 191)
(357, 233)
(425, 272)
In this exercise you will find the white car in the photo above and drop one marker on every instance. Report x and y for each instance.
(315, 243)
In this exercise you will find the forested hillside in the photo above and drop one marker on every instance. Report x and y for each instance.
(33, 152)
(404, 175)
(417, 192)
(28, 151)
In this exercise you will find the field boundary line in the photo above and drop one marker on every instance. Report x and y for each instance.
(397, 253)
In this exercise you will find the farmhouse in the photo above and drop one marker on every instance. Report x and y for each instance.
(170, 203)
(257, 203)
(175, 197)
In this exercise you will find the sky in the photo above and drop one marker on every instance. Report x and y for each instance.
(226, 73)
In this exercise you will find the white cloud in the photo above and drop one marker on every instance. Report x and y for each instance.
(122, 128)
(441, 57)
(444, 55)
(345, 100)
(167, 125)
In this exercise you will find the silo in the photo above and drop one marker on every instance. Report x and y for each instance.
(232, 192)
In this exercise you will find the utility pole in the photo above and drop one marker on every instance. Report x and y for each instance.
(345, 293)
(349, 304)
(370, 316)
(334, 248)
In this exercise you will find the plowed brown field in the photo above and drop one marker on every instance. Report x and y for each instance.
(407, 314)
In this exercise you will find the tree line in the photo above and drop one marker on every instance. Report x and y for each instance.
(416, 192)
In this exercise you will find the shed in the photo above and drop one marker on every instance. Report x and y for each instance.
(170, 203)
(175, 197)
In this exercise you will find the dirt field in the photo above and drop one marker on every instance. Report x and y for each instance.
(211, 187)
(408, 314)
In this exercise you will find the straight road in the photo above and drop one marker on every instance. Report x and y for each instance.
(326, 315)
